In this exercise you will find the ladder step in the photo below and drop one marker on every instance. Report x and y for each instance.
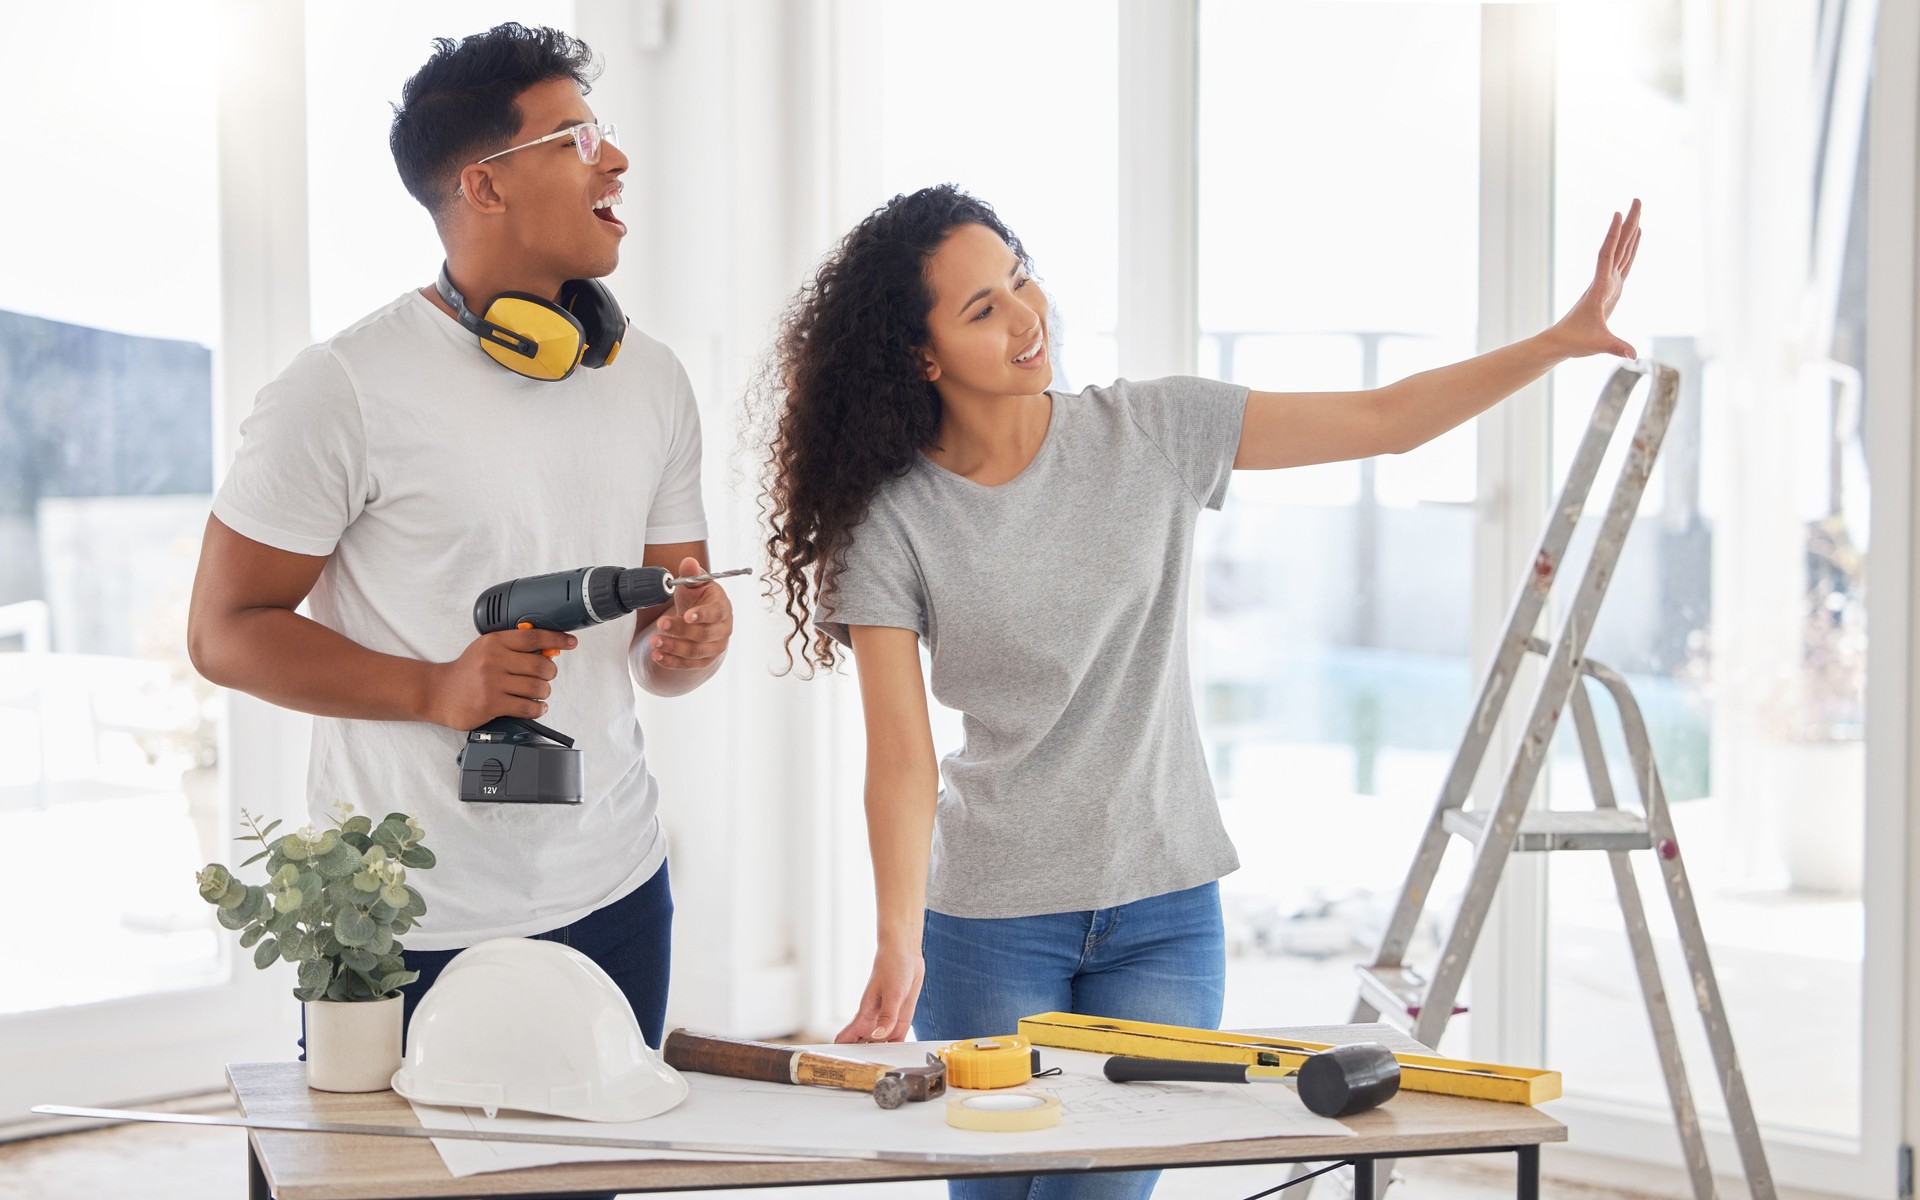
(1546, 829)
(1396, 992)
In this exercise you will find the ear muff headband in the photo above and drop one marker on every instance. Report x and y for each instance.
(539, 339)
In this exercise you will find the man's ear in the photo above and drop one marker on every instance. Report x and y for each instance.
(477, 190)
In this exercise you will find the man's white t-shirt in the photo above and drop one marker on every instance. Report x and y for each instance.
(428, 473)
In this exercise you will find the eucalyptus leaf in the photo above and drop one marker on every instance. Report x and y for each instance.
(311, 885)
(232, 918)
(353, 927)
(256, 858)
(235, 893)
(397, 979)
(271, 826)
(362, 825)
(358, 959)
(417, 857)
(416, 903)
(367, 881)
(265, 953)
(253, 934)
(382, 912)
(292, 846)
(394, 895)
(280, 922)
(338, 863)
(323, 846)
(358, 840)
(296, 946)
(213, 881)
(287, 875)
(314, 974)
(382, 940)
(337, 990)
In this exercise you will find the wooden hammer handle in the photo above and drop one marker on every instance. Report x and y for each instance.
(724, 1056)
(774, 1064)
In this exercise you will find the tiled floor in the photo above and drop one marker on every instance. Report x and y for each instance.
(155, 1162)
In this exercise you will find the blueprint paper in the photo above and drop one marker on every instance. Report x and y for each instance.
(1095, 1115)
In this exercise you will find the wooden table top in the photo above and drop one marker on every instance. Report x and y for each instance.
(309, 1166)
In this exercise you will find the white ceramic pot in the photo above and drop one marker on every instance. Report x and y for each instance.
(353, 1047)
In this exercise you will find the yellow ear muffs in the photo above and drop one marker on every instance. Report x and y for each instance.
(539, 339)
(530, 336)
(599, 315)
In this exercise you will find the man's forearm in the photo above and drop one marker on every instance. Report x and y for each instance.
(296, 662)
(662, 680)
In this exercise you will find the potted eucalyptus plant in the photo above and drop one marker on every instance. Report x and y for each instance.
(334, 904)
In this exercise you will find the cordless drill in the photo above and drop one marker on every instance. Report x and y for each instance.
(520, 761)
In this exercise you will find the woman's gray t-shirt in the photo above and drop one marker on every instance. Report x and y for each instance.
(1054, 608)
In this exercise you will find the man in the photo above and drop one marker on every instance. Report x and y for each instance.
(393, 472)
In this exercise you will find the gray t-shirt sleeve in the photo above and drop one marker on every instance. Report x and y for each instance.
(1195, 423)
(300, 476)
(881, 584)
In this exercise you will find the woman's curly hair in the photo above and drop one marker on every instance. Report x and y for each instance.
(845, 404)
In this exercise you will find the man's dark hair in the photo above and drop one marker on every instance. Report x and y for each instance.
(461, 105)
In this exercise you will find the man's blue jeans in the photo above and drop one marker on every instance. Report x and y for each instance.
(1161, 959)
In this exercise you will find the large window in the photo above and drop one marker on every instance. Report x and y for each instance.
(1739, 610)
(109, 779)
(1339, 170)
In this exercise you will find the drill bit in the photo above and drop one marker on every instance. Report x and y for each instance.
(709, 577)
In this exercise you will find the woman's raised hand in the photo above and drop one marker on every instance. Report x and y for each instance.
(1583, 330)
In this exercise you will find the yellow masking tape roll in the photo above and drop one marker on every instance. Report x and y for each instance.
(1004, 1112)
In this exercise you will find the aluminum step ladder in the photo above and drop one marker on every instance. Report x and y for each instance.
(1392, 990)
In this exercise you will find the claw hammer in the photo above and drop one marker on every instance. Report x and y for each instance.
(891, 1086)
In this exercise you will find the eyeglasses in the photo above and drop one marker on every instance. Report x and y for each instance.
(588, 137)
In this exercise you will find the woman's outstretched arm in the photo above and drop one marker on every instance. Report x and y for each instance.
(1296, 429)
(903, 782)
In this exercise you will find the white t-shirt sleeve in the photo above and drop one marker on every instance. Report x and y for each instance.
(300, 476)
(677, 513)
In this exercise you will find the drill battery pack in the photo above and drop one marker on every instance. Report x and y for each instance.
(510, 760)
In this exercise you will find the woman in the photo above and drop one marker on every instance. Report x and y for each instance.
(925, 486)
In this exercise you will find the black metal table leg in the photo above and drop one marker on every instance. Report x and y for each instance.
(256, 1178)
(1528, 1184)
(1363, 1179)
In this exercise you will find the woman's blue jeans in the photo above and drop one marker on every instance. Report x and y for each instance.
(1161, 959)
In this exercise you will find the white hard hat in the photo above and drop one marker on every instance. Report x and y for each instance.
(534, 1026)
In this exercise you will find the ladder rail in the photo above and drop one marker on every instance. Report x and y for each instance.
(1693, 941)
(1498, 680)
(1653, 990)
(1549, 700)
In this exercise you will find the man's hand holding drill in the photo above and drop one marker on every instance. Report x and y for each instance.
(506, 674)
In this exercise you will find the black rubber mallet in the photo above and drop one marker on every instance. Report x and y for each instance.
(1338, 1082)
